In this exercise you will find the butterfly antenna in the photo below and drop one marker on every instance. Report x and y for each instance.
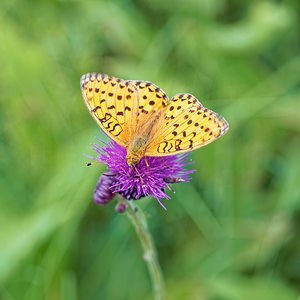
(93, 163)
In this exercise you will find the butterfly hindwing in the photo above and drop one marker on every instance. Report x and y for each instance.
(186, 126)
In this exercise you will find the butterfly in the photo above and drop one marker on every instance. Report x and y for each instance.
(139, 116)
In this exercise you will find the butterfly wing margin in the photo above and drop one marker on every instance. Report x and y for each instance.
(185, 126)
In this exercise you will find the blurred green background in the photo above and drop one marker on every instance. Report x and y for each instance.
(233, 232)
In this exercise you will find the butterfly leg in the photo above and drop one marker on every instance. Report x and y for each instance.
(142, 181)
(146, 163)
(170, 189)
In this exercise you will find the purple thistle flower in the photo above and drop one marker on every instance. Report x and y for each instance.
(138, 181)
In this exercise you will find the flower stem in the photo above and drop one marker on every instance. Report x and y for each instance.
(138, 220)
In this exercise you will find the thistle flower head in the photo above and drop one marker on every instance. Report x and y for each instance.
(138, 181)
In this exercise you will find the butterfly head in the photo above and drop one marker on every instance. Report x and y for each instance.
(132, 159)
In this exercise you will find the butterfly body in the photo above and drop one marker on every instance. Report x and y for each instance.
(136, 150)
(138, 116)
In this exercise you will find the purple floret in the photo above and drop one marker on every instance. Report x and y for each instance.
(138, 181)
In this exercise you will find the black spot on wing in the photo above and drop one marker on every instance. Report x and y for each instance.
(170, 147)
(177, 144)
(114, 128)
(106, 117)
(163, 145)
(95, 109)
(164, 148)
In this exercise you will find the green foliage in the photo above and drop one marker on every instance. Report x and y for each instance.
(233, 232)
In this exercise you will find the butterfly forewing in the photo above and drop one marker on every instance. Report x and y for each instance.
(186, 125)
(113, 103)
(151, 97)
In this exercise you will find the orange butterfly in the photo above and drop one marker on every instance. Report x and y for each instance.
(138, 116)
